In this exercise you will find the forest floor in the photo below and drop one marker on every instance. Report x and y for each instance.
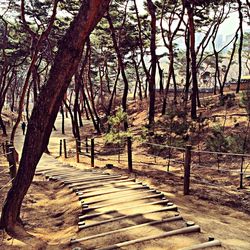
(222, 212)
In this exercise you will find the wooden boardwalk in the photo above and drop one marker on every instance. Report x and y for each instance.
(118, 212)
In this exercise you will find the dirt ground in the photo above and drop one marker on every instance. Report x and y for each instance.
(221, 212)
(49, 212)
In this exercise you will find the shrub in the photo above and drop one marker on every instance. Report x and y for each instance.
(228, 100)
(217, 141)
(245, 101)
(179, 128)
(116, 135)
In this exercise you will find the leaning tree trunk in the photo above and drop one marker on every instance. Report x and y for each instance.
(46, 108)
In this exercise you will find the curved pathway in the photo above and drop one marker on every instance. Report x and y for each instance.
(118, 212)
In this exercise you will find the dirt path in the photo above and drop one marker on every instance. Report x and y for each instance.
(118, 211)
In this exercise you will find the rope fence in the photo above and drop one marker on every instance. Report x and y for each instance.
(7, 184)
(185, 161)
(9, 152)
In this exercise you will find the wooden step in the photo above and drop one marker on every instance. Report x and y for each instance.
(89, 216)
(83, 225)
(175, 218)
(185, 230)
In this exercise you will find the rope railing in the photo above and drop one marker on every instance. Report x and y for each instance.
(163, 146)
(4, 171)
(219, 153)
(7, 184)
(202, 181)
(222, 170)
(175, 157)
(5, 154)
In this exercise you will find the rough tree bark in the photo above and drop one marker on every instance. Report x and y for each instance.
(190, 10)
(122, 67)
(240, 44)
(152, 10)
(46, 109)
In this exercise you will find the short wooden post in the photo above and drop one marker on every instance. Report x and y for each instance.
(119, 156)
(129, 146)
(3, 146)
(11, 160)
(241, 172)
(86, 145)
(65, 148)
(119, 153)
(187, 169)
(60, 148)
(92, 152)
(77, 152)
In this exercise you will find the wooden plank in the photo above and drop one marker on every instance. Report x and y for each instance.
(106, 182)
(83, 184)
(82, 196)
(123, 217)
(119, 186)
(120, 202)
(214, 243)
(89, 216)
(62, 174)
(88, 179)
(185, 230)
(67, 178)
(132, 194)
(79, 176)
(151, 223)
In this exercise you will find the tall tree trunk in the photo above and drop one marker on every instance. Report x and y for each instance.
(90, 92)
(44, 113)
(113, 92)
(193, 60)
(141, 48)
(151, 115)
(63, 120)
(67, 106)
(241, 43)
(122, 67)
(75, 110)
(85, 109)
(95, 123)
(138, 80)
(2, 124)
(160, 76)
(28, 102)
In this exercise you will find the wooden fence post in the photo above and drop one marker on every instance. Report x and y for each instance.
(92, 152)
(86, 145)
(241, 172)
(60, 148)
(77, 152)
(11, 159)
(65, 148)
(4, 149)
(187, 169)
(130, 162)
